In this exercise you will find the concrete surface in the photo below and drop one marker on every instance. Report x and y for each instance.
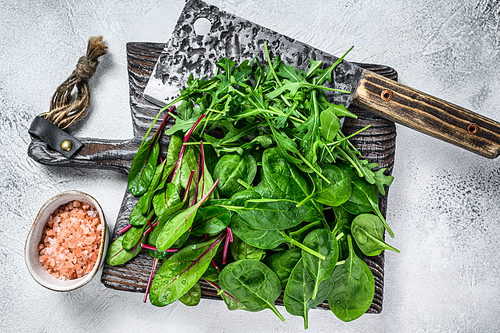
(444, 205)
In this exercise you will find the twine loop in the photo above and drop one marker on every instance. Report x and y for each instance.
(65, 107)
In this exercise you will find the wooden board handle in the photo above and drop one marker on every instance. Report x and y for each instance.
(101, 154)
(428, 114)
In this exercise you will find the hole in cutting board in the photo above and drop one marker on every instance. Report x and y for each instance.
(202, 26)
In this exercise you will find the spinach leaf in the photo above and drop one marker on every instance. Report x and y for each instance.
(364, 199)
(321, 241)
(241, 250)
(342, 224)
(232, 167)
(265, 190)
(299, 296)
(210, 220)
(241, 197)
(272, 214)
(232, 304)
(283, 262)
(284, 179)
(193, 296)
(353, 289)
(253, 284)
(265, 239)
(338, 191)
(181, 271)
(305, 228)
(262, 239)
(368, 232)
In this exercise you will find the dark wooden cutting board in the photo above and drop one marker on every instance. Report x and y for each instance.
(377, 144)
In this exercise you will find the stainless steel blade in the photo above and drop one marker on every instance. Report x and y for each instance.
(195, 49)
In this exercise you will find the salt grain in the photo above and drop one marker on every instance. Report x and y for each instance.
(62, 240)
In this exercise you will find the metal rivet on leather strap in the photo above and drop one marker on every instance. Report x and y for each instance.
(66, 145)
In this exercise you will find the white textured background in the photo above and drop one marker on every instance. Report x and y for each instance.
(443, 206)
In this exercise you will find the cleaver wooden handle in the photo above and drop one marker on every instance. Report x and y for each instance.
(96, 153)
(428, 114)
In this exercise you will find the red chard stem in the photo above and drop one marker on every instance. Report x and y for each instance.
(150, 228)
(224, 253)
(202, 167)
(125, 229)
(197, 182)
(117, 253)
(209, 192)
(213, 284)
(162, 125)
(215, 265)
(186, 138)
(188, 186)
(149, 247)
(155, 261)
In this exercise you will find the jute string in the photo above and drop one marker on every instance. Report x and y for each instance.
(65, 109)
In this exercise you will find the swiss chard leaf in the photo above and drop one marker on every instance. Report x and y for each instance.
(136, 218)
(117, 255)
(143, 167)
(166, 200)
(193, 296)
(181, 272)
(133, 237)
(162, 220)
(175, 227)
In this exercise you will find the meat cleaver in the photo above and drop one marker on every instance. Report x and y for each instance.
(205, 33)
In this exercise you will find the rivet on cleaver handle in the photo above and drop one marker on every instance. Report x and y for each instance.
(427, 114)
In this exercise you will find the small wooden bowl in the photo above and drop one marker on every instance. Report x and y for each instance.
(32, 241)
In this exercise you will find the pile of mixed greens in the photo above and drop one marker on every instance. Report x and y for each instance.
(259, 191)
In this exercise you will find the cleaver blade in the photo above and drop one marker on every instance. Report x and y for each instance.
(193, 51)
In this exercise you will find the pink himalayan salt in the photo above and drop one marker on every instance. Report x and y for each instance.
(70, 241)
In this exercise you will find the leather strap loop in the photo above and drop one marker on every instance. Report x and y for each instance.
(55, 137)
